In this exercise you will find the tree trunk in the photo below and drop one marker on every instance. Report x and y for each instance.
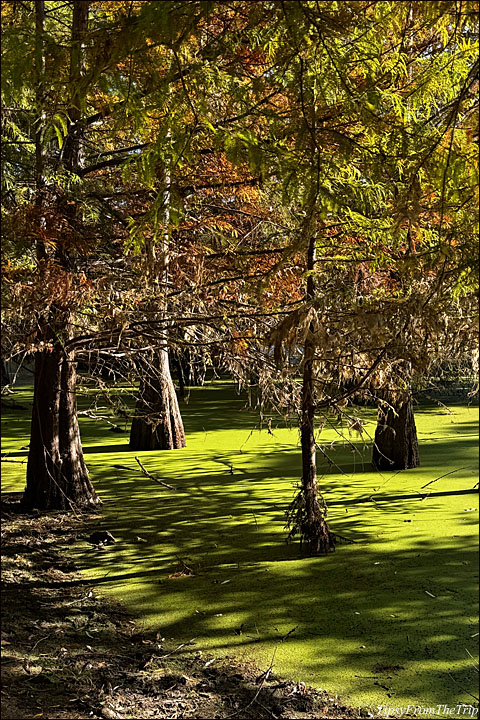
(57, 477)
(193, 372)
(313, 527)
(175, 362)
(73, 154)
(307, 514)
(157, 424)
(5, 375)
(396, 443)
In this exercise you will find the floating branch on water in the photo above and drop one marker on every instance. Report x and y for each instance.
(149, 475)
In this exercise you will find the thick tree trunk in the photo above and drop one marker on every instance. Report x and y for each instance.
(57, 477)
(157, 424)
(396, 443)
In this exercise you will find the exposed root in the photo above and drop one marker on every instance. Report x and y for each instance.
(311, 526)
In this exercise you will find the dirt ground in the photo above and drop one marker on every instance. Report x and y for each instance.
(69, 653)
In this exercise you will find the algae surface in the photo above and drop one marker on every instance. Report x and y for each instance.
(388, 619)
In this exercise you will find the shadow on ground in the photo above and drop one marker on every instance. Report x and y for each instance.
(388, 618)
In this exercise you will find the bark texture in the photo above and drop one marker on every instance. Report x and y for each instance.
(57, 477)
(396, 443)
(157, 424)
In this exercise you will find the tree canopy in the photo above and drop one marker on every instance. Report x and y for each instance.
(284, 188)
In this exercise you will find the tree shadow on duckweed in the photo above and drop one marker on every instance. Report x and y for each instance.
(386, 619)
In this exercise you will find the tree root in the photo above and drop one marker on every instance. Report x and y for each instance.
(311, 526)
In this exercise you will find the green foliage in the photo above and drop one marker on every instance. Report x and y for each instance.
(354, 122)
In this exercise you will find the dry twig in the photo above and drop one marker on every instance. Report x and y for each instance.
(149, 475)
